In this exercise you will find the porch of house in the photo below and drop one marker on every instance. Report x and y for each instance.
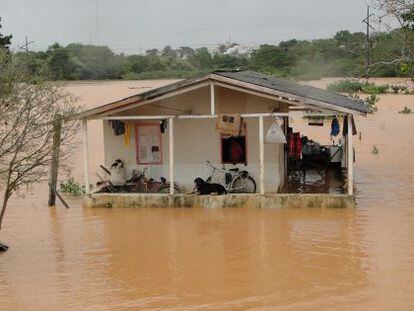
(279, 200)
(268, 164)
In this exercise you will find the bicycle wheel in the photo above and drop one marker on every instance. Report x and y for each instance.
(243, 185)
(166, 189)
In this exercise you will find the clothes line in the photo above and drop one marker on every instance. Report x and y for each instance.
(251, 115)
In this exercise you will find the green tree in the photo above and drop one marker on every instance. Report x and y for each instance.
(5, 41)
(185, 52)
(94, 62)
(202, 59)
(270, 59)
(152, 52)
(59, 62)
(135, 64)
(169, 52)
(229, 62)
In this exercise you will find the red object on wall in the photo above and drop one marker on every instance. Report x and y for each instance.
(295, 145)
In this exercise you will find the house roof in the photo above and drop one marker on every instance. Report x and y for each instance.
(248, 80)
(290, 87)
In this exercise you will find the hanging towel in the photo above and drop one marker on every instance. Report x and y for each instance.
(295, 145)
(127, 134)
(229, 124)
(345, 126)
(335, 127)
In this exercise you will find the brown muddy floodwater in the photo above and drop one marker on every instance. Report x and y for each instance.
(223, 259)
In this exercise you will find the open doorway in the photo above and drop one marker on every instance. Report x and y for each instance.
(315, 156)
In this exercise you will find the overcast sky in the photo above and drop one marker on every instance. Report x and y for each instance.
(135, 25)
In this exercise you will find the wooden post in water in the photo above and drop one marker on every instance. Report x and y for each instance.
(57, 126)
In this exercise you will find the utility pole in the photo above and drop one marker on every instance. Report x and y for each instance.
(25, 47)
(97, 23)
(367, 56)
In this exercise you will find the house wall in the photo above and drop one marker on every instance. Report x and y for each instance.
(197, 141)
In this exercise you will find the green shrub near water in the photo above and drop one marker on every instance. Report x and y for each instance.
(345, 86)
(372, 100)
(72, 187)
(371, 88)
(353, 86)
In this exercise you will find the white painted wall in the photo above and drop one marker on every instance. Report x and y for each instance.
(197, 141)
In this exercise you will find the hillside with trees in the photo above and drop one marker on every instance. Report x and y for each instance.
(343, 55)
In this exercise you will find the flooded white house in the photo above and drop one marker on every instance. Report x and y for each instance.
(167, 137)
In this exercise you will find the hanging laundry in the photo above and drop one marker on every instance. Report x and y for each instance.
(118, 127)
(295, 145)
(345, 126)
(335, 127)
(163, 126)
(127, 134)
(229, 124)
(243, 125)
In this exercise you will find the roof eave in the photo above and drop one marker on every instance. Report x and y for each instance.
(286, 95)
(184, 84)
(97, 111)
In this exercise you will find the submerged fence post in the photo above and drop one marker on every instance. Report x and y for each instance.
(57, 127)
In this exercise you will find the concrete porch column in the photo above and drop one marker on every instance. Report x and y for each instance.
(350, 153)
(171, 154)
(261, 155)
(86, 155)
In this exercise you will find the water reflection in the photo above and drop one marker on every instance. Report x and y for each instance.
(207, 257)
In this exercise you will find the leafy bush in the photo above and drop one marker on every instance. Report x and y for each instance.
(372, 101)
(345, 86)
(371, 88)
(72, 187)
(354, 86)
(396, 89)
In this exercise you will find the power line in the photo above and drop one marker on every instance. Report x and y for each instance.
(367, 55)
(97, 23)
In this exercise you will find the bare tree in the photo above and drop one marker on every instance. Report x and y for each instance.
(401, 11)
(28, 107)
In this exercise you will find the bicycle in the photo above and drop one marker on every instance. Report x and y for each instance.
(144, 185)
(139, 183)
(236, 181)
